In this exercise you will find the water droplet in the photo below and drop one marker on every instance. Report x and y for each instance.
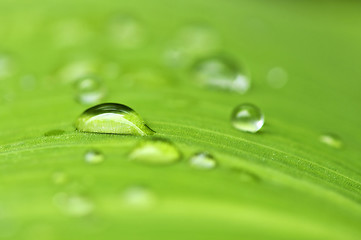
(94, 157)
(277, 77)
(112, 118)
(126, 32)
(221, 73)
(89, 90)
(245, 176)
(155, 151)
(138, 197)
(190, 42)
(55, 132)
(331, 140)
(247, 118)
(59, 178)
(73, 205)
(203, 160)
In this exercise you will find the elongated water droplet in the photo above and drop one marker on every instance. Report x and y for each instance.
(155, 151)
(73, 205)
(222, 73)
(89, 90)
(203, 160)
(331, 140)
(138, 197)
(247, 118)
(245, 175)
(112, 118)
(55, 132)
(126, 32)
(94, 157)
(277, 77)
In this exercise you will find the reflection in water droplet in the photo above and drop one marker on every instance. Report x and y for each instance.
(89, 90)
(73, 205)
(221, 73)
(112, 118)
(247, 118)
(59, 178)
(138, 197)
(94, 157)
(190, 42)
(331, 140)
(203, 160)
(277, 77)
(55, 132)
(126, 32)
(155, 151)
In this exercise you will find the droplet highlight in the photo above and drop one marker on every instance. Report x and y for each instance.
(247, 118)
(331, 140)
(138, 197)
(203, 161)
(93, 157)
(112, 118)
(89, 90)
(221, 73)
(155, 152)
(73, 205)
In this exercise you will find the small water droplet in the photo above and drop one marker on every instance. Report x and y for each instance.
(277, 77)
(190, 42)
(203, 160)
(221, 73)
(112, 118)
(59, 178)
(247, 118)
(55, 132)
(155, 151)
(94, 157)
(126, 32)
(245, 175)
(89, 90)
(331, 140)
(139, 197)
(73, 205)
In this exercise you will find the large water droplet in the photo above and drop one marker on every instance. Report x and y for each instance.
(126, 32)
(277, 77)
(112, 118)
(203, 160)
(331, 140)
(247, 118)
(221, 73)
(89, 90)
(73, 205)
(94, 157)
(155, 151)
(138, 197)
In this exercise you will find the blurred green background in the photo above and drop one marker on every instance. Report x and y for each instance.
(281, 183)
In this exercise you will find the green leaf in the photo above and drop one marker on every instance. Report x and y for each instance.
(279, 183)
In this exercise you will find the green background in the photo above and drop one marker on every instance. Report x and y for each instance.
(303, 189)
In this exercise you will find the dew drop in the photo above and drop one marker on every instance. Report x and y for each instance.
(156, 152)
(73, 205)
(245, 176)
(277, 77)
(203, 160)
(247, 118)
(126, 32)
(221, 73)
(138, 197)
(93, 157)
(89, 90)
(112, 118)
(331, 140)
